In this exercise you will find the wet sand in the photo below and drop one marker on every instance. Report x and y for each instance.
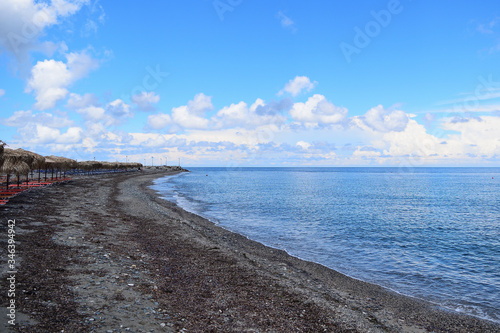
(106, 254)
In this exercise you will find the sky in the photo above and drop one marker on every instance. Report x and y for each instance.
(230, 83)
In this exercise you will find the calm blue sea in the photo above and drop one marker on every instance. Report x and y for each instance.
(432, 233)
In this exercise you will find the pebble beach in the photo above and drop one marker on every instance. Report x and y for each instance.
(104, 253)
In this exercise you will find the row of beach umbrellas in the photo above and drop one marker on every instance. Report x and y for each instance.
(20, 162)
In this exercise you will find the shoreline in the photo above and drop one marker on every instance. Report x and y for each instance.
(435, 305)
(117, 256)
(213, 219)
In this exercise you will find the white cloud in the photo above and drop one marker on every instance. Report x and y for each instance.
(72, 135)
(413, 140)
(200, 104)
(92, 113)
(259, 102)
(43, 134)
(472, 140)
(478, 135)
(317, 111)
(114, 113)
(45, 130)
(297, 85)
(304, 145)
(159, 121)
(40, 134)
(367, 154)
(119, 110)
(2, 92)
(23, 118)
(145, 100)
(192, 115)
(89, 144)
(80, 64)
(22, 22)
(234, 115)
(314, 132)
(183, 116)
(382, 120)
(237, 136)
(140, 139)
(76, 101)
(50, 79)
(258, 114)
(94, 129)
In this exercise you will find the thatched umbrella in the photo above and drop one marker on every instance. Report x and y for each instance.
(107, 165)
(67, 164)
(7, 168)
(34, 161)
(2, 144)
(123, 165)
(131, 165)
(64, 162)
(136, 165)
(90, 165)
(111, 166)
(53, 163)
(50, 163)
(59, 164)
(21, 168)
(85, 165)
(14, 162)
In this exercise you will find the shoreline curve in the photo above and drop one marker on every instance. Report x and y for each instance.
(107, 253)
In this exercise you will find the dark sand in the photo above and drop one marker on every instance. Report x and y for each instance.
(105, 254)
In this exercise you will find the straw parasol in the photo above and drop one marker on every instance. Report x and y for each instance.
(63, 163)
(59, 164)
(34, 160)
(15, 162)
(11, 155)
(8, 165)
(90, 165)
(50, 164)
(21, 168)
(132, 165)
(2, 144)
(66, 163)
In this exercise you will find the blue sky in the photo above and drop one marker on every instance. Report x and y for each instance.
(253, 83)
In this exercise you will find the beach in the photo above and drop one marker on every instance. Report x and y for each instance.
(105, 254)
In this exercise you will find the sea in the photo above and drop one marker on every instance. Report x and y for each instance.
(430, 233)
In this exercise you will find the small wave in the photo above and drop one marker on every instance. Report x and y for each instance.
(428, 232)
